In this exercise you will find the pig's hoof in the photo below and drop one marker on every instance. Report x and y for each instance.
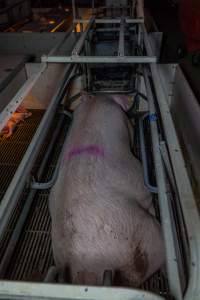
(107, 278)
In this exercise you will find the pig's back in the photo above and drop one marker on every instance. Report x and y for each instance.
(98, 220)
(97, 228)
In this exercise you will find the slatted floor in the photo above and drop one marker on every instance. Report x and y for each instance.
(33, 254)
(13, 148)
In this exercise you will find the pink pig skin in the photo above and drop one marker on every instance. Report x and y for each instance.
(99, 205)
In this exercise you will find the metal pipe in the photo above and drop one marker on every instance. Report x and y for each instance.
(113, 92)
(172, 262)
(47, 185)
(150, 187)
(74, 11)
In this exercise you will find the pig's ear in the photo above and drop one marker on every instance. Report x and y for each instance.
(123, 101)
(85, 96)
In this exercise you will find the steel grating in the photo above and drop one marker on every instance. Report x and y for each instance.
(33, 255)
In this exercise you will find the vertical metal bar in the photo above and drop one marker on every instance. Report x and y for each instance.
(74, 10)
(151, 188)
(172, 264)
(121, 38)
(139, 35)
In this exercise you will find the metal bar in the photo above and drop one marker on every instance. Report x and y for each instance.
(80, 43)
(151, 188)
(41, 291)
(187, 200)
(99, 59)
(47, 185)
(112, 29)
(121, 38)
(165, 157)
(99, 21)
(134, 21)
(73, 10)
(171, 261)
(110, 21)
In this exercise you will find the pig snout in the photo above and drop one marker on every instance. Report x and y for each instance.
(99, 205)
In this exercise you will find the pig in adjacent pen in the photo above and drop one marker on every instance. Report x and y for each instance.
(18, 116)
(99, 206)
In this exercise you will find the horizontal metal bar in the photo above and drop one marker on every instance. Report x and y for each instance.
(112, 29)
(80, 43)
(98, 21)
(41, 291)
(135, 21)
(99, 59)
(110, 21)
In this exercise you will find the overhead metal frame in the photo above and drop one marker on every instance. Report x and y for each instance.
(121, 58)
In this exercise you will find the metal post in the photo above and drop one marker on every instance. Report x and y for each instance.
(121, 38)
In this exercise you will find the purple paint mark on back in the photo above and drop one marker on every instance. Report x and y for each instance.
(90, 150)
